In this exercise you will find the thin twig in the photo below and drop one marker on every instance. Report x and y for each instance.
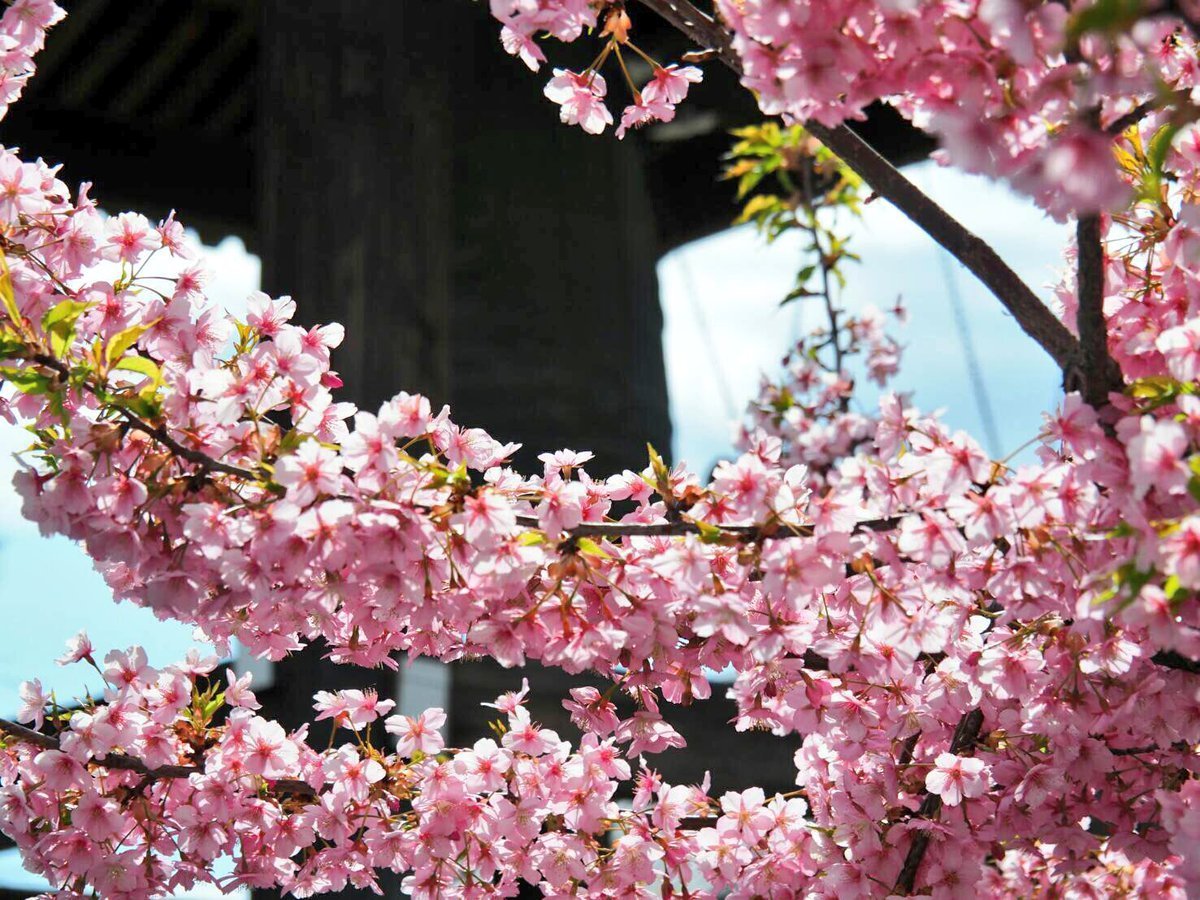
(1031, 314)
(812, 226)
(160, 434)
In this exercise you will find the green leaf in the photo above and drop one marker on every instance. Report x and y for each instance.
(1156, 156)
(10, 344)
(1157, 389)
(27, 381)
(142, 366)
(591, 548)
(661, 473)
(123, 340)
(709, 533)
(1171, 586)
(1105, 16)
(59, 324)
(1123, 529)
(211, 707)
(783, 401)
(63, 316)
(291, 441)
(750, 181)
(144, 406)
(1128, 580)
(6, 293)
(1193, 487)
(531, 538)
(758, 207)
(797, 294)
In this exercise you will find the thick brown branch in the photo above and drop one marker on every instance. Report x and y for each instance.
(1098, 373)
(965, 736)
(1031, 314)
(1132, 117)
(131, 764)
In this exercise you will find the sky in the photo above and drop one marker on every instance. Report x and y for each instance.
(721, 304)
(724, 329)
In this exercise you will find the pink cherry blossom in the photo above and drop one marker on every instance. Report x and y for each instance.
(581, 98)
(418, 735)
(955, 778)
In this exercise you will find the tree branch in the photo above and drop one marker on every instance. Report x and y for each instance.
(1169, 659)
(132, 764)
(157, 432)
(1031, 314)
(682, 527)
(1131, 118)
(1097, 372)
(965, 736)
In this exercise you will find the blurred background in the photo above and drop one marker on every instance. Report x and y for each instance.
(392, 169)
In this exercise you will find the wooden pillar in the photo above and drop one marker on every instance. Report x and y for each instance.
(354, 138)
(415, 186)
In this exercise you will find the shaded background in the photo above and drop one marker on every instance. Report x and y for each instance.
(389, 167)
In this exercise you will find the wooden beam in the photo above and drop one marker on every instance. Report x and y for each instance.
(66, 36)
(141, 167)
(104, 57)
(202, 80)
(163, 58)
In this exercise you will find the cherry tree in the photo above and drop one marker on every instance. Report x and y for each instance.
(989, 669)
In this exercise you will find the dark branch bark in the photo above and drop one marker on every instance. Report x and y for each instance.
(1097, 372)
(682, 527)
(1132, 117)
(1169, 659)
(1031, 314)
(965, 736)
(132, 764)
(1139, 112)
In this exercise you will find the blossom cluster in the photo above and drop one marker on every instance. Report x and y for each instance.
(871, 611)
(1030, 92)
(581, 95)
(175, 772)
(988, 669)
(808, 410)
(1015, 90)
